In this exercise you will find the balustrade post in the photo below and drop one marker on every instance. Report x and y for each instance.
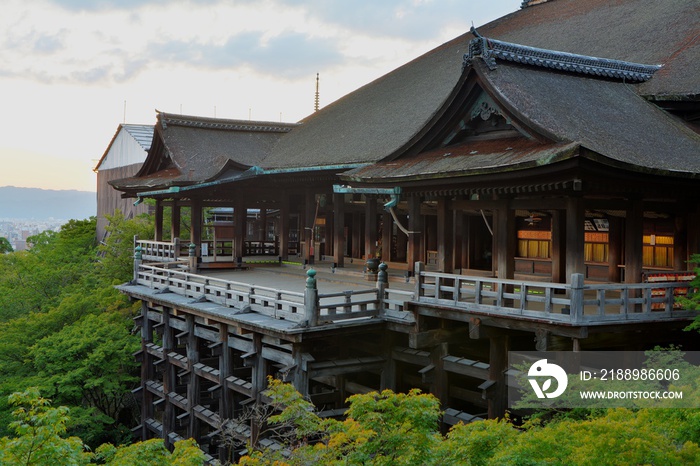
(192, 258)
(137, 262)
(382, 285)
(576, 297)
(419, 268)
(176, 248)
(311, 299)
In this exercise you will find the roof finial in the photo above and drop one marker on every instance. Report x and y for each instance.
(316, 99)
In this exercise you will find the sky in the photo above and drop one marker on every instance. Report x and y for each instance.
(72, 70)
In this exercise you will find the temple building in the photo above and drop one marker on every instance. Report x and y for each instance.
(556, 147)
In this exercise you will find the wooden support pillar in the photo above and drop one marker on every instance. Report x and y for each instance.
(226, 401)
(310, 209)
(240, 227)
(634, 235)
(370, 226)
(159, 220)
(259, 383)
(196, 228)
(614, 249)
(415, 224)
(505, 240)
(356, 235)
(175, 220)
(169, 382)
(301, 376)
(262, 234)
(193, 430)
(339, 229)
(558, 250)
(387, 227)
(440, 387)
(680, 244)
(284, 227)
(575, 237)
(498, 363)
(147, 371)
(445, 233)
(387, 379)
(459, 227)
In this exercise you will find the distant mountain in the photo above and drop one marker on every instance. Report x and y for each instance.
(40, 204)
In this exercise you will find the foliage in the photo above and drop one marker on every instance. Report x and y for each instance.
(116, 253)
(692, 301)
(5, 245)
(39, 439)
(57, 300)
(38, 432)
(388, 428)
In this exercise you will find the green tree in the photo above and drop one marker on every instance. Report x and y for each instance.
(39, 430)
(116, 254)
(5, 245)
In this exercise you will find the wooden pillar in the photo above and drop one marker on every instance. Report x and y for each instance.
(225, 370)
(370, 226)
(575, 237)
(159, 220)
(680, 244)
(558, 247)
(339, 229)
(387, 379)
(459, 239)
(240, 227)
(505, 240)
(498, 363)
(387, 229)
(415, 224)
(440, 387)
(309, 224)
(634, 235)
(193, 430)
(196, 228)
(147, 371)
(262, 234)
(259, 383)
(301, 376)
(169, 384)
(445, 234)
(356, 235)
(284, 227)
(175, 220)
(614, 249)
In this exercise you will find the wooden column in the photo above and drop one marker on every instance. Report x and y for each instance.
(459, 239)
(356, 235)
(575, 237)
(225, 370)
(196, 227)
(284, 227)
(634, 231)
(240, 215)
(262, 234)
(558, 247)
(498, 363)
(193, 430)
(415, 224)
(505, 240)
(614, 249)
(339, 229)
(309, 224)
(387, 227)
(370, 226)
(445, 233)
(301, 376)
(680, 245)
(169, 385)
(147, 371)
(159, 220)
(259, 382)
(175, 220)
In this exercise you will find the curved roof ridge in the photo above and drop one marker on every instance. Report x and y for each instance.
(491, 49)
(223, 123)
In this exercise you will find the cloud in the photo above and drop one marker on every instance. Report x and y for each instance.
(287, 55)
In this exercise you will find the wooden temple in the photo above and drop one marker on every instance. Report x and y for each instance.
(531, 181)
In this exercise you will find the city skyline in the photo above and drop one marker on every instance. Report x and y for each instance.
(74, 70)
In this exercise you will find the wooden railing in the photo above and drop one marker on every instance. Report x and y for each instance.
(309, 307)
(577, 302)
(159, 251)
